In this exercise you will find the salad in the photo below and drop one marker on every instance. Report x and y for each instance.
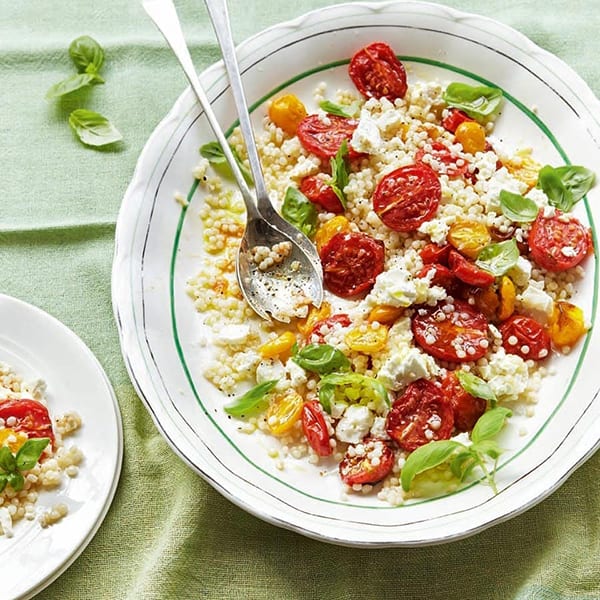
(450, 266)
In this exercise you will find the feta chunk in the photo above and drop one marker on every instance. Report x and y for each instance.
(405, 366)
(354, 424)
(436, 229)
(366, 137)
(501, 180)
(232, 334)
(397, 287)
(535, 302)
(521, 272)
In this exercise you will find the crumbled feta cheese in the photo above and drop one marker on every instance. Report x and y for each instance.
(397, 287)
(354, 424)
(366, 137)
(535, 302)
(521, 272)
(501, 180)
(405, 366)
(270, 369)
(232, 334)
(378, 429)
(436, 229)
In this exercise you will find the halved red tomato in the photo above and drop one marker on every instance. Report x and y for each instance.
(454, 118)
(432, 253)
(368, 462)
(324, 136)
(525, 337)
(318, 191)
(445, 162)
(315, 428)
(467, 408)
(468, 272)
(441, 275)
(30, 416)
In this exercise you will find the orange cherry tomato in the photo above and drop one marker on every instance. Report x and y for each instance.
(471, 135)
(567, 324)
(287, 112)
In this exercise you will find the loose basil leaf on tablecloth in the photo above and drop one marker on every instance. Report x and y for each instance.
(498, 258)
(252, 400)
(339, 173)
(320, 358)
(298, 210)
(566, 185)
(490, 424)
(93, 129)
(340, 110)
(475, 386)
(213, 152)
(75, 82)
(517, 208)
(29, 453)
(477, 101)
(87, 54)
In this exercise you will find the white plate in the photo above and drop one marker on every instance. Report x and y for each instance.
(36, 345)
(158, 245)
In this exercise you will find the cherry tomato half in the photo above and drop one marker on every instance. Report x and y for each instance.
(315, 428)
(457, 335)
(369, 462)
(407, 197)
(468, 272)
(318, 191)
(558, 242)
(525, 337)
(445, 162)
(441, 275)
(323, 137)
(454, 118)
(421, 414)
(31, 418)
(325, 325)
(467, 408)
(377, 72)
(432, 253)
(351, 262)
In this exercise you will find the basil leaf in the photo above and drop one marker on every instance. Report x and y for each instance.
(488, 447)
(252, 400)
(93, 129)
(340, 110)
(578, 180)
(75, 82)
(321, 358)
(565, 186)
(16, 481)
(426, 457)
(213, 152)
(351, 388)
(489, 424)
(3, 481)
(498, 258)
(463, 463)
(475, 386)
(29, 453)
(477, 101)
(517, 208)
(87, 54)
(339, 173)
(298, 210)
(7, 460)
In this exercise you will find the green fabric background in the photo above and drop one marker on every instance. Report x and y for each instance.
(169, 535)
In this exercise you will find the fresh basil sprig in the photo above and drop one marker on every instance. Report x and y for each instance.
(477, 101)
(517, 208)
(26, 458)
(498, 258)
(566, 185)
(92, 128)
(340, 110)
(475, 386)
(320, 358)
(298, 210)
(213, 152)
(462, 458)
(252, 400)
(352, 388)
(339, 173)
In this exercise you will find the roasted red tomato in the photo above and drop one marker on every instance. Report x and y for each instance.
(454, 118)
(318, 191)
(467, 408)
(377, 72)
(457, 335)
(341, 319)
(368, 462)
(468, 272)
(558, 242)
(526, 337)
(323, 137)
(441, 275)
(421, 414)
(351, 262)
(407, 197)
(31, 417)
(445, 162)
(432, 253)
(315, 428)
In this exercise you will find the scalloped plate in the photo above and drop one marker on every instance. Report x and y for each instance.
(548, 107)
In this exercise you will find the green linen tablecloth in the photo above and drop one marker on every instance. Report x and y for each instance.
(169, 535)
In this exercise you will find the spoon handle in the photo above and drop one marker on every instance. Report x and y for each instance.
(164, 16)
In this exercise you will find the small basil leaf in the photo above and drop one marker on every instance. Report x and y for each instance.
(475, 386)
(566, 185)
(213, 152)
(462, 464)
(252, 400)
(477, 101)
(321, 358)
(340, 110)
(3, 481)
(353, 388)
(75, 82)
(29, 453)
(498, 258)
(426, 457)
(326, 395)
(93, 129)
(16, 481)
(489, 424)
(517, 208)
(87, 54)
(298, 210)
(578, 180)
(489, 448)
(339, 173)
(7, 460)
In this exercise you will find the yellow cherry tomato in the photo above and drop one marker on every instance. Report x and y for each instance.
(19, 439)
(471, 135)
(385, 314)
(524, 168)
(330, 228)
(567, 324)
(284, 411)
(367, 339)
(287, 112)
(469, 237)
(507, 294)
(280, 345)
(314, 316)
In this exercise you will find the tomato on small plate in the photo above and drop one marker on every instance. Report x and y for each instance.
(525, 337)
(31, 417)
(323, 136)
(315, 428)
(368, 462)
(318, 191)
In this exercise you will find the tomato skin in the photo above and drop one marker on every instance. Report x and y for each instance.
(446, 160)
(454, 118)
(460, 336)
(411, 415)
(528, 333)
(469, 272)
(441, 275)
(550, 236)
(351, 262)
(317, 190)
(359, 470)
(432, 253)
(315, 428)
(467, 408)
(340, 318)
(407, 197)
(377, 73)
(324, 137)
(32, 417)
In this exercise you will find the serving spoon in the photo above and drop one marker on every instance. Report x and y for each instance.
(282, 290)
